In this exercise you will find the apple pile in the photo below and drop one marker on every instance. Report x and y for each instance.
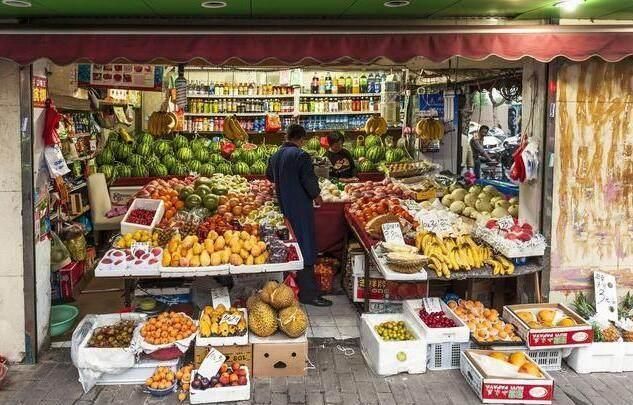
(518, 232)
(226, 376)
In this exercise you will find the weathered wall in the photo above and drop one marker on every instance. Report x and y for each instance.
(592, 213)
(11, 264)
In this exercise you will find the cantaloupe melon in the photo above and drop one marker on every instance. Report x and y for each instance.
(457, 207)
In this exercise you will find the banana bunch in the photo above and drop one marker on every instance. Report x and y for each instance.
(161, 123)
(460, 253)
(500, 265)
(125, 136)
(429, 129)
(233, 130)
(376, 125)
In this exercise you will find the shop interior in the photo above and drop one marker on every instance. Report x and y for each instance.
(463, 95)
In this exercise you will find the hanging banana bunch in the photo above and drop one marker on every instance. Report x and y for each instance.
(376, 125)
(429, 129)
(233, 130)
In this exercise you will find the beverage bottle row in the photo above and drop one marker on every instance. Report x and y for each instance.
(329, 105)
(207, 106)
(236, 89)
(328, 122)
(199, 124)
(349, 84)
(80, 122)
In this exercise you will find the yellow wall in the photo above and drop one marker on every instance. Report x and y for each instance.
(592, 218)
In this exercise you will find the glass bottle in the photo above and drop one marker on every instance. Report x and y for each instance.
(349, 83)
(362, 83)
(341, 84)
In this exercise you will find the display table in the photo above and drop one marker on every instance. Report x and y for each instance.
(531, 269)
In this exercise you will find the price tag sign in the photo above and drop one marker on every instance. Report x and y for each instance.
(506, 222)
(136, 246)
(393, 233)
(220, 296)
(230, 319)
(432, 305)
(211, 363)
(606, 295)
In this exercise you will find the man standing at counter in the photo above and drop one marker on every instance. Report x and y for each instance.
(297, 187)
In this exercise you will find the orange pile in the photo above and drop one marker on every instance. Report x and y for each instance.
(162, 378)
(168, 327)
(183, 375)
(484, 324)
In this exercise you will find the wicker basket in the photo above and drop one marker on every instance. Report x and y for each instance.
(627, 336)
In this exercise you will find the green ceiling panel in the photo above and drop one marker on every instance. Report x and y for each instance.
(377, 9)
(298, 8)
(326, 9)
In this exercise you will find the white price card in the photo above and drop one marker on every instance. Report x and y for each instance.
(230, 319)
(606, 295)
(393, 233)
(432, 305)
(506, 222)
(144, 246)
(220, 296)
(211, 363)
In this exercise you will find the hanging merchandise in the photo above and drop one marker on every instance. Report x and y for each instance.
(51, 122)
(60, 256)
(181, 88)
(273, 124)
(55, 161)
(531, 161)
(75, 242)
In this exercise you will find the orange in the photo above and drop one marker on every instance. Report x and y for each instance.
(179, 204)
(154, 385)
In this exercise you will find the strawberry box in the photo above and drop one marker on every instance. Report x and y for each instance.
(505, 388)
(548, 326)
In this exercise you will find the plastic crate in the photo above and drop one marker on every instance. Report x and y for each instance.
(549, 359)
(445, 356)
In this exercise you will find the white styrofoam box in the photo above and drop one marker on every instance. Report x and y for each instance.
(600, 357)
(270, 267)
(206, 271)
(457, 334)
(627, 357)
(146, 204)
(127, 268)
(141, 371)
(391, 357)
(445, 356)
(223, 394)
(224, 341)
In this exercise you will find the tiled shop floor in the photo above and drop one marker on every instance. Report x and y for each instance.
(340, 321)
(339, 376)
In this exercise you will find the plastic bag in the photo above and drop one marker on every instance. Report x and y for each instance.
(75, 242)
(60, 256)
(291, 281)
(272, 124)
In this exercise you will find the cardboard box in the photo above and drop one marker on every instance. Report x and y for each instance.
(578, 335)
(242, 354)
(69, 277)
(505, 390)
(279, 356)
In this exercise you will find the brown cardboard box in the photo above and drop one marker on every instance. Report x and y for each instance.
(279, 356)
(241, 354)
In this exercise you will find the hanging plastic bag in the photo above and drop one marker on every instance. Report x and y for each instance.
(75, 242)
(272, 124)
(60, 256)
(291, 281)
(55, 161)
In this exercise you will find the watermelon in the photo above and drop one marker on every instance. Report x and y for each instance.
(259, 168)
(162, 148)
(145, 138)
(140, 171)
(224, 168)
(249, 153)
(180, 142)
(107, 170)
(201, 154)
(321, 151)
(392, 155)
(169, 161)
(241, 168)
(158, 169)
(113, 140)
(365, 166)
(216, 159)
(106, 157)
(184, 154)
(236, 156)
(179, 169)
(135, 160)
(207, 169)
(214, 147)
(271, 149)
(372, 140)
(144, 149)
(122, 171)
(313, 144)
(194, 165)
(375, 153)
(199, 143)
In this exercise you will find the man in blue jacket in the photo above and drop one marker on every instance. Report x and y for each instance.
(297, 187)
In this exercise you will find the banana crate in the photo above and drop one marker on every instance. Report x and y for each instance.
(225, 340)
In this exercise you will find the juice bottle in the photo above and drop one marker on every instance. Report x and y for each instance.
(363, 83)
(341, 84)
(349, 83)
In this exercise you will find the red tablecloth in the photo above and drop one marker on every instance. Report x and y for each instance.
(331, 228)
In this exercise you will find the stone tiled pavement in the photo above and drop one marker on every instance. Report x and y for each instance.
(337, 379)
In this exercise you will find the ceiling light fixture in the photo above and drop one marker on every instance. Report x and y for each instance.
(17, 3)
(213, 4)
(396, 3)
(569, 5)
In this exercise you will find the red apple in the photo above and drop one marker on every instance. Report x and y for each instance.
(224, 380)
(524, 236)
(157, 251)
(242, 380)
(223, 368)
(491, 224)
(106, 261)
(516, 229)
(511, 236)
(240, 371)
(235, 366)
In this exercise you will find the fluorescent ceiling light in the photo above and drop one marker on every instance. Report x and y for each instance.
(396, 3)
(569, 5)
(17, 3)
(213, 4)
